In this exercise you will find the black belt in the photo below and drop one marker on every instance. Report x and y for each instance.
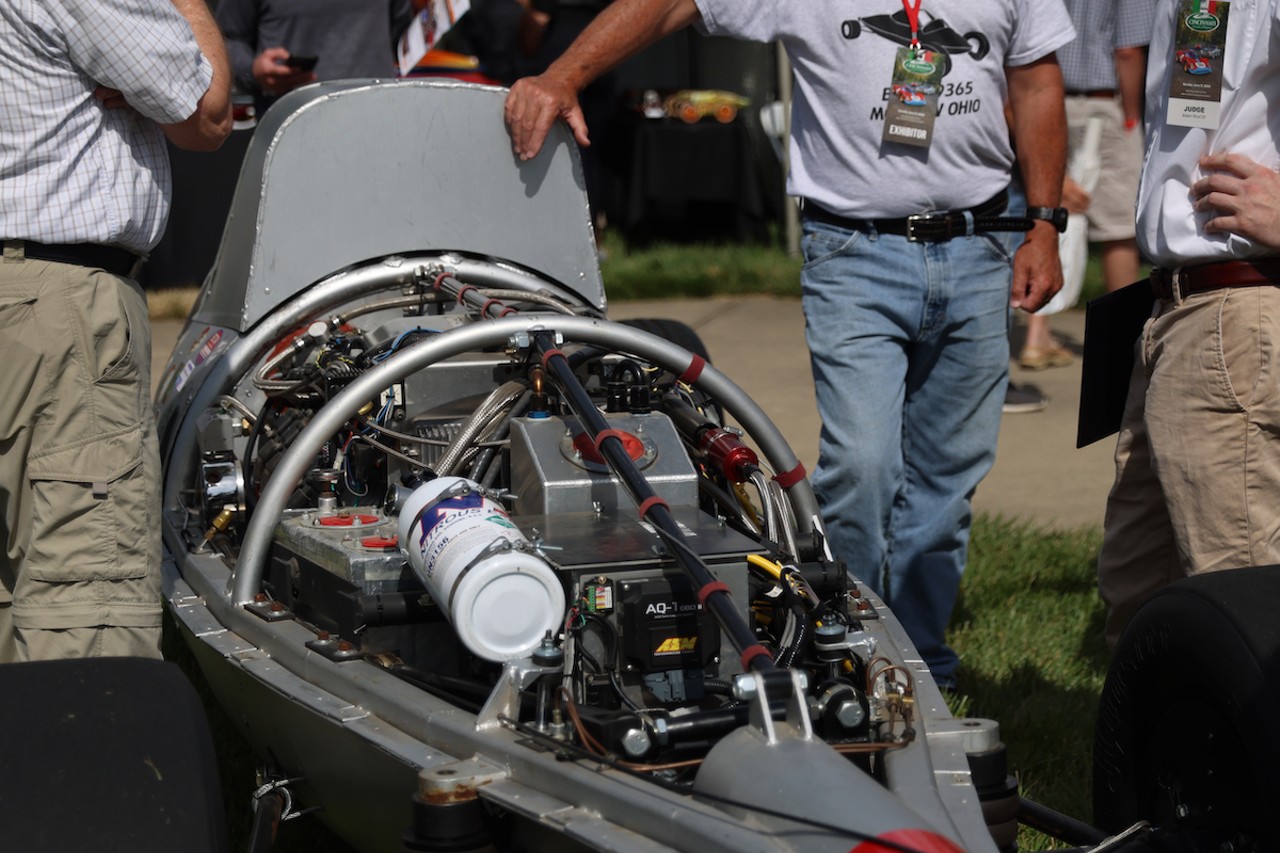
(1092, 93)
(113, 259)
(1182, 281)
(931, 227)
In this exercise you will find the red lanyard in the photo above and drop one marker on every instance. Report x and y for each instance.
(913, 18)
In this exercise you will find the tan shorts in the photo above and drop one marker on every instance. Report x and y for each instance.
(1111, 205)
(79, 465)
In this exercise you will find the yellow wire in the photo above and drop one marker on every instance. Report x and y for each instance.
(771, 568)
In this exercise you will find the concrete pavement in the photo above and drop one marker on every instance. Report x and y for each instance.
(1039, 475)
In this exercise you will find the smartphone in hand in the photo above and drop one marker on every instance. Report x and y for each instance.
(302, 63)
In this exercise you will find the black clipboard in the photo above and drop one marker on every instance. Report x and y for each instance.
(1112, 325)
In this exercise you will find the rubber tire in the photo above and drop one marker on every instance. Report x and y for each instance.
(1188, 714)
(678, 333)
(106, 754)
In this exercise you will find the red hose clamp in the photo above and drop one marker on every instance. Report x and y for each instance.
(750, 653)
(463, 292)
(484, 309)
(706, 591)
(694, 370)
(787, 479)
(609, 433)
(546, 356)
(650, 503)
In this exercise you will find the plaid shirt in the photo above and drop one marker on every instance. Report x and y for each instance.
(72, 171)
(1088, 63)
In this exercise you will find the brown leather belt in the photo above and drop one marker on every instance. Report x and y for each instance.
(1183, 281)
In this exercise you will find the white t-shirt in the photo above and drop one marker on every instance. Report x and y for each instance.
(843, 56)
(1170, 232)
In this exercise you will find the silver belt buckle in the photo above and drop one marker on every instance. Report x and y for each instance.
(912, 221)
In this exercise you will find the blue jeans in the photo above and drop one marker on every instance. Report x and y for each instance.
(910, 354)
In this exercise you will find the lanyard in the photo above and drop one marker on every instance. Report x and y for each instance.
(1210, 6)
(913, 18)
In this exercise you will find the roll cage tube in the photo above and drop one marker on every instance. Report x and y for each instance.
(246, 577)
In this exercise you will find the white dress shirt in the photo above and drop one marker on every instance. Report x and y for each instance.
(1170, 232)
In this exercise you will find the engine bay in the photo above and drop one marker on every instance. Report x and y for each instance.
(647, 671)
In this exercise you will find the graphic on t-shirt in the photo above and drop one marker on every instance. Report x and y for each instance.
(935, 36)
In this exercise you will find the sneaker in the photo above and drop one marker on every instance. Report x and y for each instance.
(1023, 398)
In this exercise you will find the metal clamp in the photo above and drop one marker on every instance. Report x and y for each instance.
(282, 785)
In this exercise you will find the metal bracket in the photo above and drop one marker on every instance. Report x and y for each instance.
(335, 648)
(269, 611)
(517, 676)
(750, 686)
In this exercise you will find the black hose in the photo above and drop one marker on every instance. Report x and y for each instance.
(627, 366)
(804, 630)
(267, 812)
(1058, 825)
(467, 695)
(717, 600)
(246, 464)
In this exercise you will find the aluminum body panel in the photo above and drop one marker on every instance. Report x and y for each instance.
(430, 157)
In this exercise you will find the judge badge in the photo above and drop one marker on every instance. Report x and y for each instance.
(1199, 47)
(913, 99)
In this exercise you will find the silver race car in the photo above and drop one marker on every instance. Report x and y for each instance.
(470, 564)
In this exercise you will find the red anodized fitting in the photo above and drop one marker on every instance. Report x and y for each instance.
(726, 452)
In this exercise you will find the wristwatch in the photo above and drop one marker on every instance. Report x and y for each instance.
(1057, 216)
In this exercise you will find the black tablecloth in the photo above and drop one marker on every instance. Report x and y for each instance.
(691, 181)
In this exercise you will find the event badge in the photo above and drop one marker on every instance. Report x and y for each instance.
(1199, 48)
(913, 102)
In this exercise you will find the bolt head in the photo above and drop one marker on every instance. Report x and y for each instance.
(849, 713)
(636, 742)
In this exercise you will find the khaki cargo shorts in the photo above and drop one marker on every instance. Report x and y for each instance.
(79, 465)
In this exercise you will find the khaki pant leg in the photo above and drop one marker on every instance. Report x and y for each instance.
(22, 388)
(88, 582)
(1213, 414)
(1138, 555)
(1198, 462)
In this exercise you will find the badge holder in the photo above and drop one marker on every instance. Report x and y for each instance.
(1199, 48)
(913, 106)
(916, 84)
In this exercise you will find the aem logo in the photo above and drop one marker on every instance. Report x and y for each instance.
(670, 608)
(676, 645)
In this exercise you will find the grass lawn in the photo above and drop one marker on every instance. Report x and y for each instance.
(1028, 624)
(1028, 627)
